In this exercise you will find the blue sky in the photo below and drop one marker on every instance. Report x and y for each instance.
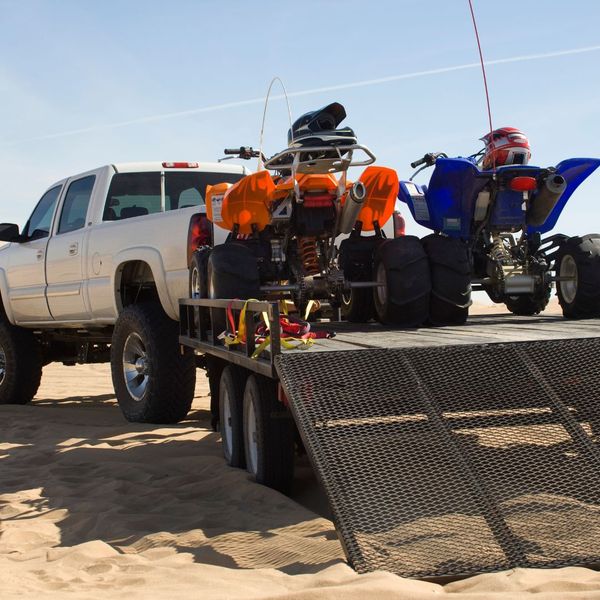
(87, 67)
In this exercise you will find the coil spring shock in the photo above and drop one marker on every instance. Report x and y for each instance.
(307, 249)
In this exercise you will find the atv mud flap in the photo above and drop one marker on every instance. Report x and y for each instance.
(448, 461)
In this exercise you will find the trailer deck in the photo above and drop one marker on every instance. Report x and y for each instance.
(450, 451)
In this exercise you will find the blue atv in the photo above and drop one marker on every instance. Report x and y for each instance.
(488, 226)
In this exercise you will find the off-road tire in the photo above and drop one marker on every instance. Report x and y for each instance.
(233, 272)
(584, 253)
(528, 305)
(171, 371)
(274, 433)
(231, 414)
(402, 265)
(22, 364)
(450, 269)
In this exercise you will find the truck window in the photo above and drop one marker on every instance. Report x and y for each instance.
(183, 190)
(132, 195)
(40, 221)
(75, 206)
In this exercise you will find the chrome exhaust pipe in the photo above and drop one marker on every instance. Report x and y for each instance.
(354, 202)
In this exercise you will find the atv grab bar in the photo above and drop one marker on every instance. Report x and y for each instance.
(319, 164)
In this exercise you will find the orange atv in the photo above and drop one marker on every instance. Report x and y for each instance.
(285, 223)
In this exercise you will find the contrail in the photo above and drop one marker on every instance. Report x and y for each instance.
(329, 88)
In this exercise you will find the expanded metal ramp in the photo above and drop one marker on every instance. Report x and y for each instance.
(449, 461)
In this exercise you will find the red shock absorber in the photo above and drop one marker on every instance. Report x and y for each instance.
(307, 249)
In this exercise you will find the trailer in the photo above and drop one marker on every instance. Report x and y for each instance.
(443, 452)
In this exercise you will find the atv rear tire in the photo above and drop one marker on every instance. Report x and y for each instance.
(450, 269)
(579, 258)
(269, 435)
(402, 267)
(20, 364)
(154, 379)
(233, 272)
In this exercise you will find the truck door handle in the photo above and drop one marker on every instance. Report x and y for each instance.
(73, 249)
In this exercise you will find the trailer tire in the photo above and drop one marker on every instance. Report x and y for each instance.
(20, 364)
(579, 257)
(402, 267)
(154, 379)
(450, 269)
(231, 414)
(233, 272)
(269, 434)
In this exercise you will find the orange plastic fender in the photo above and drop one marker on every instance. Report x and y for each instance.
(214, 202)
(382, 186)
(246, 204)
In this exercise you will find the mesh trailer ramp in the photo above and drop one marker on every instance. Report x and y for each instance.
(442, 456)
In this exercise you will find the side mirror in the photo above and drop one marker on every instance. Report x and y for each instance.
(9, 232)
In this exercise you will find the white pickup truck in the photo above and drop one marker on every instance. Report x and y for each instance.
(96, 274)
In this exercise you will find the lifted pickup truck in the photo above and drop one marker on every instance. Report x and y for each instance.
(96, 275)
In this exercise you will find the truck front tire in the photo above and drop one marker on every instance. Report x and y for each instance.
(153, 379)
(20, 364)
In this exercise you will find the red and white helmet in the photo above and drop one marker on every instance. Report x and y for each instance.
(505, 146)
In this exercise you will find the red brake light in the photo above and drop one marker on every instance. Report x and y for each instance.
(523, 184)
(180, 165)
(399, 224)
(199, 234)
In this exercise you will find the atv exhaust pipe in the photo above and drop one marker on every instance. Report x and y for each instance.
(545, 200)
(354, 202)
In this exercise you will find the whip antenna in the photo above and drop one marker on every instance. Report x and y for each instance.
(485, 85)
(262, 128)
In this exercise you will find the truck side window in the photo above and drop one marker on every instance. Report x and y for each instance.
(75, 206)
(183, 190)
(40, 221)
(132, 195)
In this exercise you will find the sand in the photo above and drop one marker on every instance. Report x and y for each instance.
(94, 507)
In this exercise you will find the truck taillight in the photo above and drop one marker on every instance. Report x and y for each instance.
(180, 165)
(399, 224)
(199, 234)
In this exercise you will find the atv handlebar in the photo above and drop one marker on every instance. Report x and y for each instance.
(245, 152)
(428, 160)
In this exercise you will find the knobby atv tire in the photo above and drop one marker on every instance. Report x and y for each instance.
(231, 414)
(450, 269)
(273, 435)
(171, 371)
(233, 272)
(584, 252)
(402, 266)
(22, 364)
(530, 304)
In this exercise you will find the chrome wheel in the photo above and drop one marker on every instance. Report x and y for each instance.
(2, 365)
(195, 284)
(226, 426)
(381, 289)
(568, 271)
(135, 366)
(251, 440)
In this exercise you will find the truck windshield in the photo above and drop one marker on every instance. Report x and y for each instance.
(138, 194)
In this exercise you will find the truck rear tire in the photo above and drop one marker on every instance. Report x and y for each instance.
(450, 269)
(153, 379)
(528, 305)
(402, 267)
(579, 258)
(199, 273)
(357, 305)
(231, 414)
(20, 364)
(269, 435)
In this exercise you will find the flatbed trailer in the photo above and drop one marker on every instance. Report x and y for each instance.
(443, 452)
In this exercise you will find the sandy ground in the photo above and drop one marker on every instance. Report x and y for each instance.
(94, 507)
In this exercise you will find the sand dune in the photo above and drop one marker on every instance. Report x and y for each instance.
(94, 507)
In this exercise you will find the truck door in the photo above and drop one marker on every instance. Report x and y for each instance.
(26, 273)
(64, 259)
